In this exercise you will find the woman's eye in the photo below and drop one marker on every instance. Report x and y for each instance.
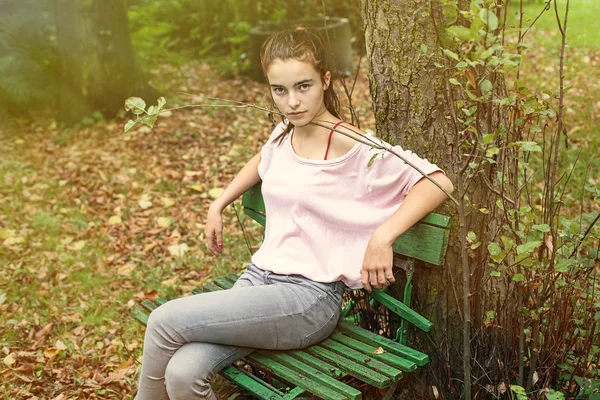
(304, 88)
(278, 90)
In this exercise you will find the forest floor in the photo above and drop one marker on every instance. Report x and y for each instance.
(94, 220)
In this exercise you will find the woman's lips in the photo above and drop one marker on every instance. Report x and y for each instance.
(296, 115)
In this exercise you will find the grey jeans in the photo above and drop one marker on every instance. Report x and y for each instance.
(189, 340)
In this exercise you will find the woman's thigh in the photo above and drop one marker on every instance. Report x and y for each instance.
(276, 315)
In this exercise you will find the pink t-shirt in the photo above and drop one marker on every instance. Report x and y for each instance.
(321, 213)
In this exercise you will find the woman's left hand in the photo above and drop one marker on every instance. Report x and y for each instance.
(377, 265)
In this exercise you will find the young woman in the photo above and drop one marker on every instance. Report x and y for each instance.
(331, 222)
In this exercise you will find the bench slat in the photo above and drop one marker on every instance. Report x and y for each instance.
(323, 378)
(352, 368)
(316, 363)
(387, 344)
(140, 316)
(362, 358)
(149, 305)
(388, 358)
(223, 283)
(400, 309)
(250, 383)
(296, 378)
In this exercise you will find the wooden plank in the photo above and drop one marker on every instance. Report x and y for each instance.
(149, 305)
(211, 287)
(253, 199)
(435, 219)
(140, 316)
(305, 369)
(316, 363)
(223, 283)
(250, 383)
(362, 358)
(400, 309)
(389, 358)
(423, 242)
(389, 345)
(352, 368)
(296, 378)
(260, 218)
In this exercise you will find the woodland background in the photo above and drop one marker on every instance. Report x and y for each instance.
(94, 220)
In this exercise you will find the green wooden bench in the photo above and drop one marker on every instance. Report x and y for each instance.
(351, 351)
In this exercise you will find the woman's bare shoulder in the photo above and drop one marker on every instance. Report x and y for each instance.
(347, 136)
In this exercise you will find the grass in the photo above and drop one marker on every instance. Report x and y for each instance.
(583, 15)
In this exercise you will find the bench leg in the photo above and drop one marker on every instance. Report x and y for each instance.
(391, 390)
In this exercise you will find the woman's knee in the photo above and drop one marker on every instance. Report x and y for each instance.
(186, 382)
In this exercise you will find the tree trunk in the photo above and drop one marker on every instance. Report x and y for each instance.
(98, 69)
(409, 100)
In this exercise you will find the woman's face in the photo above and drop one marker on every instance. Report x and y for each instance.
(298, 90)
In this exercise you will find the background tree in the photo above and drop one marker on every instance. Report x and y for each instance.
(98, 68)
(410, 107)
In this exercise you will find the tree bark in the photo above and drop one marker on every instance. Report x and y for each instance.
(98, 68)
(409, 101)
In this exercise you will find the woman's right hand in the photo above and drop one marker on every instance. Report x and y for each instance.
(214, 230)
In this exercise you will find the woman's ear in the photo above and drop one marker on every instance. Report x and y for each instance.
(326, 80)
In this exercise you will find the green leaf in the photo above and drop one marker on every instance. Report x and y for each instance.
(528, 146)
(518, 277)
(471, 236)
(489, 18)
(528, 247)
(563, 265)
(372, 159)
(130, 124)
(460, 32)
(451, 54)
(492, 151)
(494, 249)
(135, 105)
(454, 81)
(161, 102)
(488, 138)
(495, 274)
(541, 227)
(486, 54)
(485, 86)
(423, 48)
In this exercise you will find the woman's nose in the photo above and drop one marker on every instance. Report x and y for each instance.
(293, 101)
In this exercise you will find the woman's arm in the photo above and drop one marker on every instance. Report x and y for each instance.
(422, 198)
(244, 180)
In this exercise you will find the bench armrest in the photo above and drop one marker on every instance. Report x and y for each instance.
(400, 309)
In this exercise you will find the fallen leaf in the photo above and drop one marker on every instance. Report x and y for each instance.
(215, 192)
(379, 350)
(436, 394)
(145, 202)
(164, 222)
(9, 360)
(50, 352)
(170, 282)
(178, 250)
(60, 345)
(5, 234)
(80, 244)
(125, 270)
(167, 201)
(115, 220)
(197, 188)
(12, 240)
(151, 295)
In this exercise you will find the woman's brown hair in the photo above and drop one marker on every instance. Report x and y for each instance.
(303, 44)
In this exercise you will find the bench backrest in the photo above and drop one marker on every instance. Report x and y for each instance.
(427, 240)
